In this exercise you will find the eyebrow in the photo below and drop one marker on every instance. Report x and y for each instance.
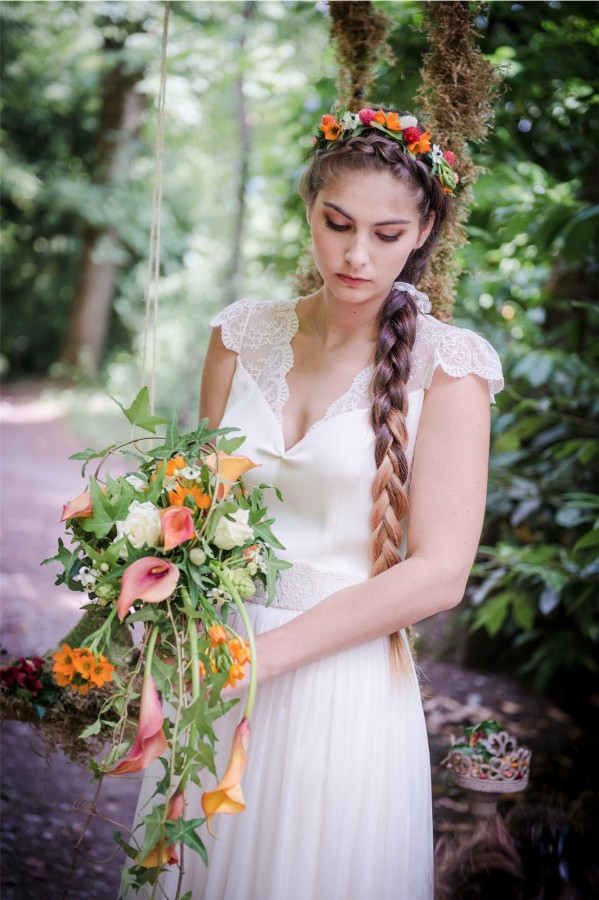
(377, 224)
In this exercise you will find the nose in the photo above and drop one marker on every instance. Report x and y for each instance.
(356, 253)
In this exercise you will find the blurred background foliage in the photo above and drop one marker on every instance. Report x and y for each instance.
(247, 82)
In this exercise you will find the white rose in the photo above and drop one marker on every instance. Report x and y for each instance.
(142, 525)
(234, 533)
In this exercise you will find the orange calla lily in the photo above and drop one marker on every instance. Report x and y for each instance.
(227, 796)
(231, 469)
(81, 507)
(163, 853)
(150, 742)
(150, 579)
(177, 526)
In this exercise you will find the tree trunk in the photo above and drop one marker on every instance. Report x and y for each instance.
(120, 119)
(236, 264)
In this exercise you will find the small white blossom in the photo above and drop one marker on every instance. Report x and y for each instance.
(136, 482)
(219, 595)
(350, 121)
(437, 154)
(87, 577)
(171, 482)
(104, 567)
(190, 473)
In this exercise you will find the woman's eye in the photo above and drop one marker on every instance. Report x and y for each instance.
(389, 237)
(335, 226)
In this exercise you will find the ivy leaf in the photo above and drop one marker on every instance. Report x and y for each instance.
(230, 445)
(184, 831)
(89, 454)
(92, 729)
(139, 412)
(103, 518)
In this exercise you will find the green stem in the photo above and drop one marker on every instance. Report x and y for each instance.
(97, 635)
(249, 704)
(150, 652)
(192, 634)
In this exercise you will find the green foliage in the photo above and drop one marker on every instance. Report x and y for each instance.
(531, 287)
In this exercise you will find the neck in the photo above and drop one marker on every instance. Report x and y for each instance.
(335, 321)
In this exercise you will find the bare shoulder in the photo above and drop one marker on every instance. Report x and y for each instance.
(217, 377)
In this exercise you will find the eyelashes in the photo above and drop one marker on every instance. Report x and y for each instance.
(386, 238)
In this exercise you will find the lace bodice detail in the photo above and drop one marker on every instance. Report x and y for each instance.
(260, 332)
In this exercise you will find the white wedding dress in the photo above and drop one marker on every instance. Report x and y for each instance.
(337, 784)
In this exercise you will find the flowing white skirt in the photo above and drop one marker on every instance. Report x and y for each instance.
(337, 788)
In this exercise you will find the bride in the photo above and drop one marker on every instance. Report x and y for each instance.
(372, 418)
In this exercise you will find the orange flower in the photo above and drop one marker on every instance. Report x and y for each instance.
(101, 671)
(177, 462)
(240, 652)
(380, 117)
(330, 127)
(227, 796)
(64, 666)
(392, 122)
(422, 145)
(80, 507)
(230, 468)
(218, 635)
(83, 662)
(236, 673)
(177, 497)
(163, 853)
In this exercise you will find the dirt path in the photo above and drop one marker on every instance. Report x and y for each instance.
(39, 824)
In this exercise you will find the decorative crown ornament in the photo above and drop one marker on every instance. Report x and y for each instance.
(403, 128)
(488, 759)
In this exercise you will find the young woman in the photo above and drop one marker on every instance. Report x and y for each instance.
(352, 400)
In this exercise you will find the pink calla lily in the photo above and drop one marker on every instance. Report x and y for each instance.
(163, 853)
(149, 579)
(227, 796)
(177, 526)
(150, 742)
(81, 507)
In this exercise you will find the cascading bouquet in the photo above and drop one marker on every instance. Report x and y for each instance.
(175, 545)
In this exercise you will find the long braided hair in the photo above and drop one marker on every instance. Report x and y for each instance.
(396, 336)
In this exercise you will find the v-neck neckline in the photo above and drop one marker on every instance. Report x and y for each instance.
(286, 393)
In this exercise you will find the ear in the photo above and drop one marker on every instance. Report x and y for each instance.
(426, 230)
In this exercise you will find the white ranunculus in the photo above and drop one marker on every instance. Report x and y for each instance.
(142, 525)
(233, 533)
(408, 122)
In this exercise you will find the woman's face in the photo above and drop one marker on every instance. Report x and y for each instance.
(364, 227)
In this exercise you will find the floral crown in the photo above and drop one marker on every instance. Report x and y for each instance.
(400, 127)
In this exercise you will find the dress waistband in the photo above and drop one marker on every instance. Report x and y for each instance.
(302, 586)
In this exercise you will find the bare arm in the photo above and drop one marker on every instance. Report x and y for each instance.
(447, 501)
(217, 375)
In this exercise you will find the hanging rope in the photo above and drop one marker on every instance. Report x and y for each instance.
(151, 298)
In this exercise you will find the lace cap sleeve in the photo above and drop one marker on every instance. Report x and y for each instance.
(458, 351)
(233, 320)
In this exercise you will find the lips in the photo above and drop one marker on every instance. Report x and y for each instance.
(347, 279)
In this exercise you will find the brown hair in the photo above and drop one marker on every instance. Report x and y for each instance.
(397, 331)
